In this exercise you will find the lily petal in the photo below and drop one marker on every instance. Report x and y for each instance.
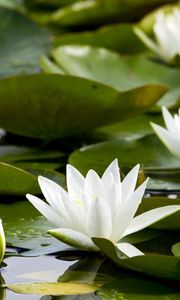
(107, 183)
(75, 182)
(51, 191)
(169, 121)
(114, 169)
(125, 215)
(147, 41)
(150, 217)
(99, 219)
(73, 238)
(45, 210)
(93, 184)
(169, 140)
(129, 183)
(128, 249)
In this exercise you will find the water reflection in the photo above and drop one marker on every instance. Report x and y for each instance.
(111, 282)
(48, 268)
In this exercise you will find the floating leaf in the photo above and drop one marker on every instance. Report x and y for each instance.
(15, 181)
(96, 12)
(25, 228)
(52, 288)
(48, 3)
(11, 4)
(20, 53)
(24, 109)
(148, 151)
(158, 183)
(15, 153)
(154, 265)
(120, 72)
(134, 127)
(32, 160)
(117, 37)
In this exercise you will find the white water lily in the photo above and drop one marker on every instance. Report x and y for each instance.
(97, 207)
(166, 29)
(2, 241)
(171, 135)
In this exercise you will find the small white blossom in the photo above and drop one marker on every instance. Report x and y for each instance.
(167, 34)
(97, 207)
(171, 135)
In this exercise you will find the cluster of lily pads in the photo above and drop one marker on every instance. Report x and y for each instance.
(85, 87)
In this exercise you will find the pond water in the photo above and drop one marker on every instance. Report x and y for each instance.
(28, 269)
(113, 282)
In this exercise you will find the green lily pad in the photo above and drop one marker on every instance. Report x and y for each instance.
(12, 153)
(155, 265)
(47, 3)
(148, 151)
(96, 12)
(20, 53)
(38, 167)
(11, 4)
(117, 37)
(162, 183)
(77, 105)
(137, 126)
(120, 72)
(26, 229)
(15, 181)
(31, 159)
(160, 245)
(136, 289)
(155, 160)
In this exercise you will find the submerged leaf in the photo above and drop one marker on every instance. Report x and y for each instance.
(136, 289)
(52, 288)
